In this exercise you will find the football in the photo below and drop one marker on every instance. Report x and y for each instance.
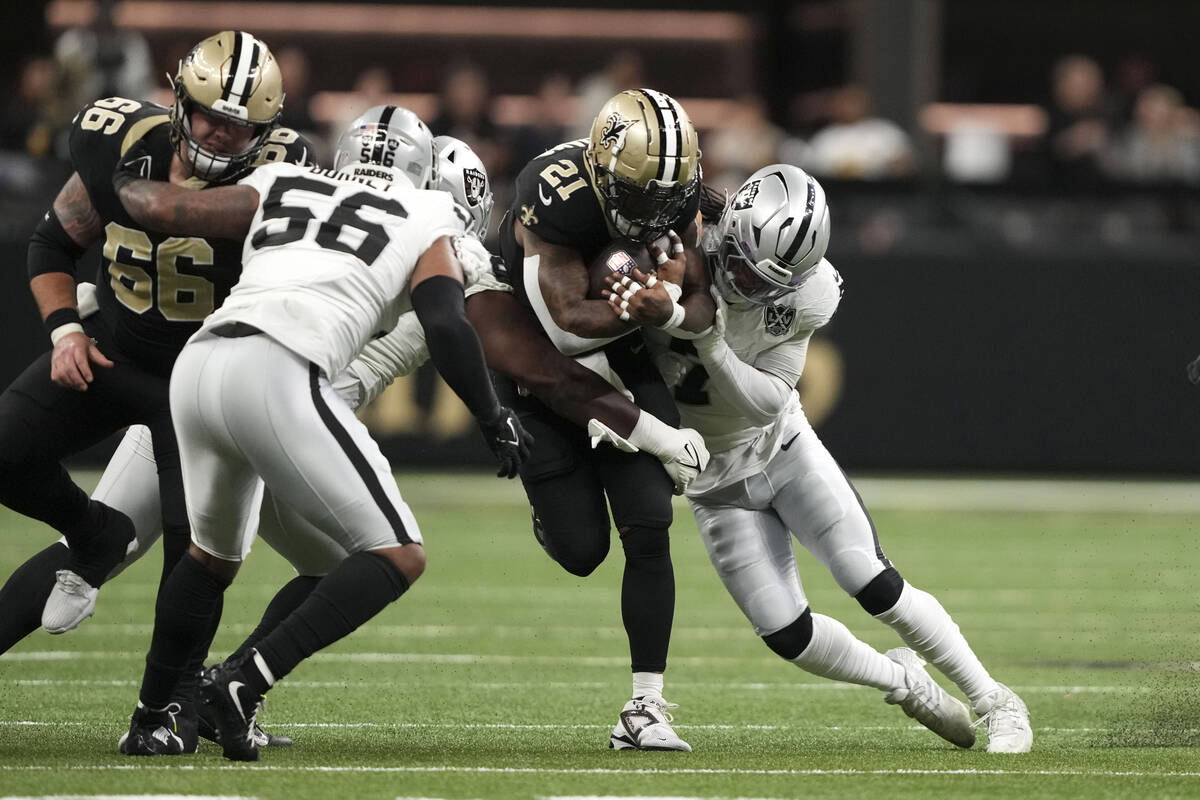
(620, 257)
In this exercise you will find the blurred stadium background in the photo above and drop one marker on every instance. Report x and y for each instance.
(1015, 185)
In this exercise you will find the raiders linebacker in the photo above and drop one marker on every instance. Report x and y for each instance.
(330, 259)
(770, 474)
(637, 175)
(154, 290)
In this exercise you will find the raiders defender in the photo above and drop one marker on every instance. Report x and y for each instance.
(330, 259)
(770, 474)
(638, 175)
(154, 290)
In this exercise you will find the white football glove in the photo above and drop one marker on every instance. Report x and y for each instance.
(712, 338)
(476, 260)
(689, 459)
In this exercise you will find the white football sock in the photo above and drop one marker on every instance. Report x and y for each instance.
(925, 626)
(647, 684)
(834, 653)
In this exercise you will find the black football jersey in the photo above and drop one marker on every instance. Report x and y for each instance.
(556, 199)
(154, 289)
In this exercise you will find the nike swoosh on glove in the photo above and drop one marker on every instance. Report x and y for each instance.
(508, 440)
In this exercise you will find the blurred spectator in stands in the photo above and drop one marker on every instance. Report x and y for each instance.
(1163, 142)
(623, 71)
(372, 87)
(24, 124)
(857, 145)
(101, 61)
(465, 112)
(1132, 74)
(744, 141)
(546, 125)
(1081, 120)
(293, 63)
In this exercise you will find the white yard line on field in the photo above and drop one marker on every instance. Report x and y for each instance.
(451, 768)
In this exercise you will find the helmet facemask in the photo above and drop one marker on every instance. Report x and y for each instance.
(642, 212)
(232, 78)
(204, 163)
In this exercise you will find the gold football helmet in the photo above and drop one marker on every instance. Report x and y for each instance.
(645, 161)
(232, 76)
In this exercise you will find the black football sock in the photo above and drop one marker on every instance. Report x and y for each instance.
(24, 594)
(187, 690)
(647, 597)
(358, 589)
(182, 620)
(285, 601)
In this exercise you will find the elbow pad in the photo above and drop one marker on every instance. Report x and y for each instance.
(51, 248)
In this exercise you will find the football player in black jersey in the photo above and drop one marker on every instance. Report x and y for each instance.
(154, 290)
(637, 176)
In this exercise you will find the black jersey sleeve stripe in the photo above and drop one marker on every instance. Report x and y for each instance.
(361, 466)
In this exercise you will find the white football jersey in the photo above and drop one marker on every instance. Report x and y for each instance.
(774, 339)
(328, 259)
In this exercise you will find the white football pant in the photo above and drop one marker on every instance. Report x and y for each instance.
(248, 407)
(745, 527)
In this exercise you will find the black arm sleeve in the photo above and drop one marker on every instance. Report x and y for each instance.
(51, 248)
(453, 346)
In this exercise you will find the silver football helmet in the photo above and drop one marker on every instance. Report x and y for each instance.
(771, 236)
(390, 137)
(463, 175)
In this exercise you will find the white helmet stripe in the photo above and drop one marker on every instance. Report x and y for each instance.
(241, 78)
(671, 133)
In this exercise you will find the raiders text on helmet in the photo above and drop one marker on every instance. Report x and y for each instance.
(391, 137)
(771, 236)
(463, 175)
(234, 77)
(645, 161)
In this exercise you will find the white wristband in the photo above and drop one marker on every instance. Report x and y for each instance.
(677, 314)
(64, 330)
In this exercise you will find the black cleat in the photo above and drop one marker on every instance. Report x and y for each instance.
(94, 558)
(231, 710)
(157, 733)
(207, 729)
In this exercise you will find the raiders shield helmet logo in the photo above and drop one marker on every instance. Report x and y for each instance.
(745, 196)
(778, 319)
(474, 182)
(613, 136)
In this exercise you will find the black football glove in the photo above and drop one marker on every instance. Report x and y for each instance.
(1193, 371)
(134, 164)
(508, 440)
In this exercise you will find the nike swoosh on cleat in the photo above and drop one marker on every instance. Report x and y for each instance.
(233, 692)
(789, 442)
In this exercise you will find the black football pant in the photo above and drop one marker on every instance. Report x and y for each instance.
(41, 424)
(572, 487)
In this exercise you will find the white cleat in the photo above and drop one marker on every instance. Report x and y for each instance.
(645, 724)
(1007, 721)
(929, 704)
(71, 601)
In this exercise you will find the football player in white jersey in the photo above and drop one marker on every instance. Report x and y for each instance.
(770, 475)
(330, 259)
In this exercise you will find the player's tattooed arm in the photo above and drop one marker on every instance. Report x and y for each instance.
(75, 212)
(225, 212)
(563, 282)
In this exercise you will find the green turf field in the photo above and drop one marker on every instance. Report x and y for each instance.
(499, 675)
